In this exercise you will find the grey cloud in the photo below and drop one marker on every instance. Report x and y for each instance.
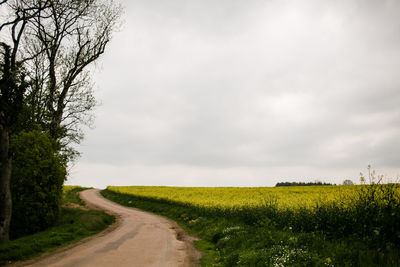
(256, 85)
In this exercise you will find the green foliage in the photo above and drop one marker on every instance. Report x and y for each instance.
(71, 194)
(37, 177)
(12, 87)
(72, 226)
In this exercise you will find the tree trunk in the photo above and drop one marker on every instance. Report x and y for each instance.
(5, 193)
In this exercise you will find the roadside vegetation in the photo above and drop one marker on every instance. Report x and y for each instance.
(46, 97)
(359, 228)
(74, 223)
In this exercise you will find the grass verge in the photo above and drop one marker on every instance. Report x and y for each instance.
(73, 225)
(246, 241)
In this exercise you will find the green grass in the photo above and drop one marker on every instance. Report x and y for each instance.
(71, 194)
(72, 226)
(230, 240)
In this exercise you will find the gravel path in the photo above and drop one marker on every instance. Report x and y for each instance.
(138, 239)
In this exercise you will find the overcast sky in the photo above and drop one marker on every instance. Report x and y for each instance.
(246, 93)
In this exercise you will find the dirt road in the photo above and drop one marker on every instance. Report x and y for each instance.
(140, 239)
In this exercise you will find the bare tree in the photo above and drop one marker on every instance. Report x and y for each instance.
(74, 34)
(53, 43)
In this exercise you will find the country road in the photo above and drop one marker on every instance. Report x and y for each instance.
(139, 239)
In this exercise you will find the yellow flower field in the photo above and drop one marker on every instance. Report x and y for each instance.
(244, 197)
(67, 188)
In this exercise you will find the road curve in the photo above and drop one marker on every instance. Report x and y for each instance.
(140, 239)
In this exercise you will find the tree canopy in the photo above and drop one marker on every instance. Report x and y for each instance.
(301, 183)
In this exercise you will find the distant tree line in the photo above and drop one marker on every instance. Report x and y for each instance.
(301, 183)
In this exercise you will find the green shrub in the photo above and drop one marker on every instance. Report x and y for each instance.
(73, 225)
(38, 174)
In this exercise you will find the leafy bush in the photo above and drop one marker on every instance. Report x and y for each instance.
(38, 174)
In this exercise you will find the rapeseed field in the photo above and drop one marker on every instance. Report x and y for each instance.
(245, 197)
(355, 225)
